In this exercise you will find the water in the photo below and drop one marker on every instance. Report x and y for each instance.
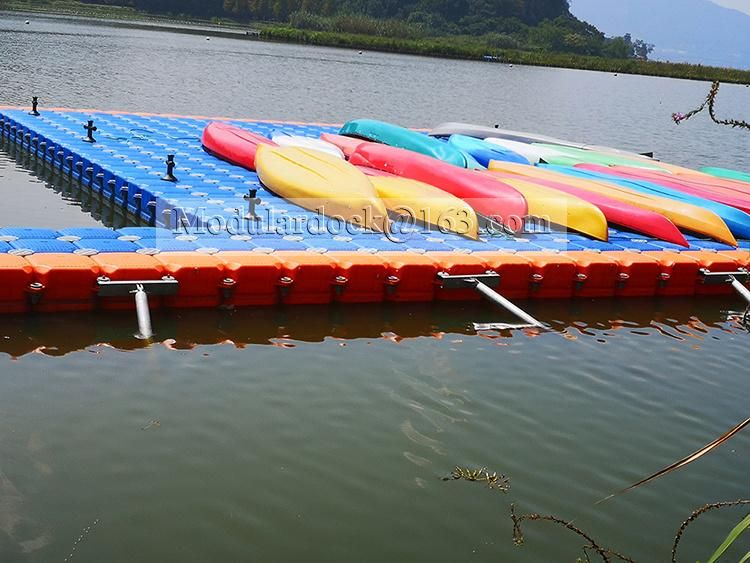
(292, 434)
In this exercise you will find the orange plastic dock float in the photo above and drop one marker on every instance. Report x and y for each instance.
(67, 282)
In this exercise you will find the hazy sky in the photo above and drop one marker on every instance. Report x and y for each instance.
(741, 5)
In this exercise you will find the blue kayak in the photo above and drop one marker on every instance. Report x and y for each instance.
(400, 137)
(483, 152)
(737, 221)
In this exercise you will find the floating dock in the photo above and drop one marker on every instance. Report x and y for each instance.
(226, 241)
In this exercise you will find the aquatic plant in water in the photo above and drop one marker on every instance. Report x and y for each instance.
(591, 546)
(709, 103)
(606, 554)
(494, 481)
(686, 460)
(736, 532)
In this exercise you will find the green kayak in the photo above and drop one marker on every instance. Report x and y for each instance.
(395, 136)
(726, 173)
(570, 156)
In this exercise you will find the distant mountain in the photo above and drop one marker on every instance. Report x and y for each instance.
(696, 31)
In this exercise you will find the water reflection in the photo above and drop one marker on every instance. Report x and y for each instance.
(62, 201)
(60, 334)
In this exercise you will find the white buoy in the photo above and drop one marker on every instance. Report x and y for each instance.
(27, 22)
(208, 39)
(360, 52)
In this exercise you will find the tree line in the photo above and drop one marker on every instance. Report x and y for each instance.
(536, 25)
(530, 12)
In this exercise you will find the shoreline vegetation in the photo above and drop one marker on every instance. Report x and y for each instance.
(466, 48)
(389, 36)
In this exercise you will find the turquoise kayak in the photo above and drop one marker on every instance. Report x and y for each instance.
(727, 174)
(737, 221)
(483, 152)
(400, 137)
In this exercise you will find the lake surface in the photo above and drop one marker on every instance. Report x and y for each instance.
(322, 434)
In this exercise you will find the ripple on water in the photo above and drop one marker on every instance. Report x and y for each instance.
(325, 444)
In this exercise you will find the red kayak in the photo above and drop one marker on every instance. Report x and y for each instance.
(347, 144)
(623, 214)
(233, 144)
(486, 195)
(692, 185)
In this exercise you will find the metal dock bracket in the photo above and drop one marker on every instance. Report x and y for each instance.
(736, 279)
(713, 278)
(484, 284)
(140, 289)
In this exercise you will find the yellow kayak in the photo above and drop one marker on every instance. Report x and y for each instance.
(561, 208)
(424, 203)
(321, 182)
(684, 215)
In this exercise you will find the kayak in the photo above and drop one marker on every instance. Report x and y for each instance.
(483, 193)
(532, 153)
(727, 174)
(570, 155)
(729, 192)
(711, 181)
(345, 144)
(684, 215)
(400, 137)
(681, 170)
(618, 212)
(686, 184)
(737, 221)
(233, 144)
(319, 181)
(484, 132)
(557, 207)
(423, 203)
(560, 208)
(483, 152)
(285, 140)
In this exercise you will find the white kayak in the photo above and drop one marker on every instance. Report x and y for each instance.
(533, 153)
(298, 141)
(482, 132)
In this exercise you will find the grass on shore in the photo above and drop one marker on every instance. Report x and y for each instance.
(458, 47)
